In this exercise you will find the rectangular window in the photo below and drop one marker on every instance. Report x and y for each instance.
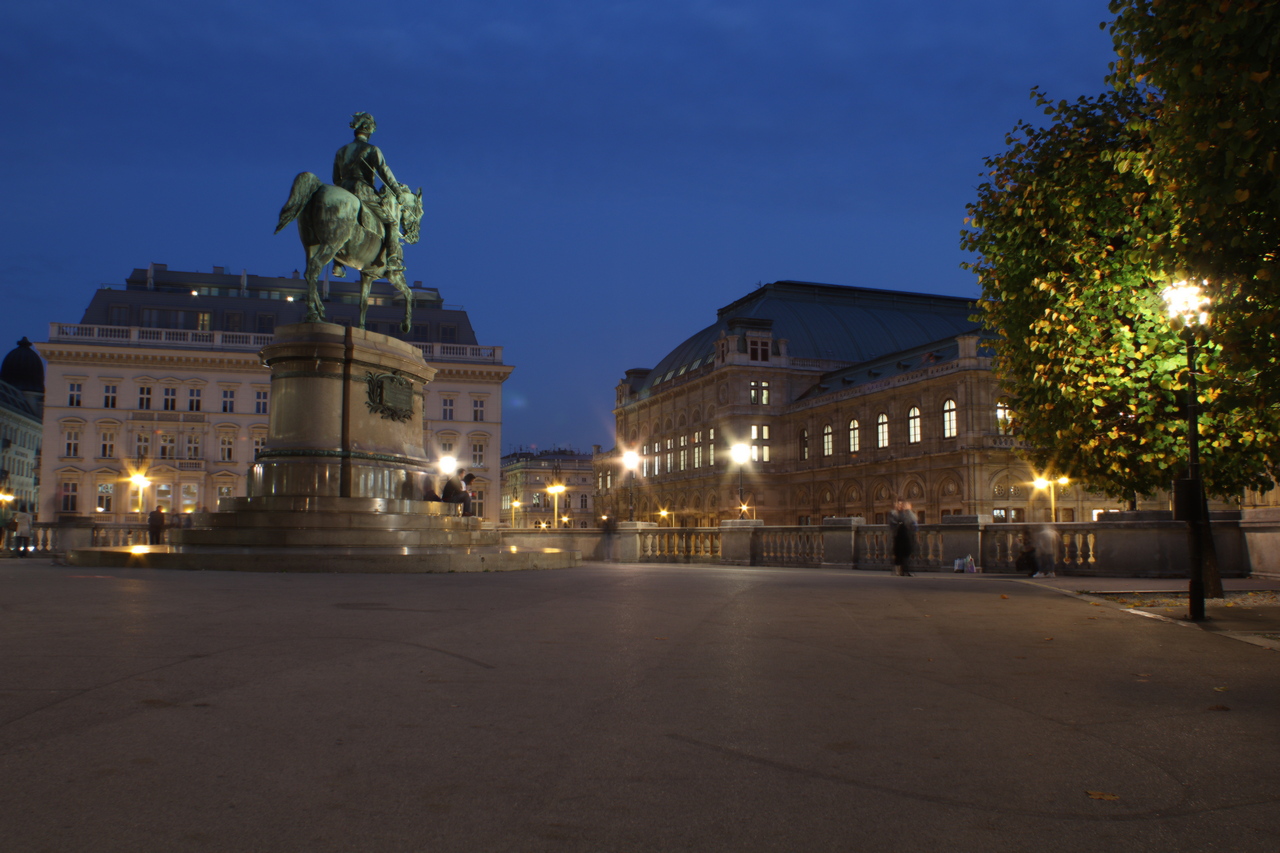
(135, 499)
(224, 491)
(226, 448)
(73, 394)
(151, 318)
(144, 397)
(232, 321)
(697, 456)
(259, 444)
(171, 399)
(266, 324)
(477, 503)
(446, 408)
(190, 497)
(118, 315)
(228, 401)
(108, 446)
(204, 321)
(71, 445)
(759, 453)
(260, 402)
(193, 399)
(758, 350)
(142, 445)
(448, 334)
(684, 460)
(70, 494)
(477, 455)
(477, 410)
(108, 396)
(164, 497)
(193, 445)
(106, 492)
(168, 446)
(759, 392)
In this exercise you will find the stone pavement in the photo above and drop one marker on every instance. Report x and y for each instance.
(621, 708)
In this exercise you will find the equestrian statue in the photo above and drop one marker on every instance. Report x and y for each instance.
(353, 224)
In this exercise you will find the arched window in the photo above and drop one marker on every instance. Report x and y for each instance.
(1004, 418)
(828, 440)
(882, 430)
(804, 444)
(949, 419)
(854, 440)
(913, 426)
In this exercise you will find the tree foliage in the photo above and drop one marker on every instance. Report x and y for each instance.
(1063, 229)
(1214, 66)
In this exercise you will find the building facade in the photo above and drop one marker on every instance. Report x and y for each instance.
(845, 399)
(21, 406)
(526, 501)
(158, 396)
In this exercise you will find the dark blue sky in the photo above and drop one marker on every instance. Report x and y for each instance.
(599, 177)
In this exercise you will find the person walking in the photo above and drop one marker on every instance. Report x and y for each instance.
(155, 525)
(902, 533)
(22, 532)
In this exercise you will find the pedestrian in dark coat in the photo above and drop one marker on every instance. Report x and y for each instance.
(902, 532)
(155, 525)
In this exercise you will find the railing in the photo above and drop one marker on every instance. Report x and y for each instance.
(788, 546)
(1075, 545)
(460, 352)
(679, 545)
(875, 546)
(143, 336)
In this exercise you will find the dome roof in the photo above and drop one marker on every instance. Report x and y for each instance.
(23, 368)
(830, 323)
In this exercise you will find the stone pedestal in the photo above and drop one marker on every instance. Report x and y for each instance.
(346, 417)
(340, 485)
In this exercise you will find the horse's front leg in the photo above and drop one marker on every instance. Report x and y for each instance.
(316, 259)
(399, 282)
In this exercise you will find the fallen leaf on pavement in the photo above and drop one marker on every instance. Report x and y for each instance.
(1004, 596)
(1102, 795)
(1219, 690)
(1048, 638)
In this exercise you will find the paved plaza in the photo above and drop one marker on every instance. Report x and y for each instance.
(620, 708)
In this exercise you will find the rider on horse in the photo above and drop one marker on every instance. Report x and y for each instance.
(355, 167)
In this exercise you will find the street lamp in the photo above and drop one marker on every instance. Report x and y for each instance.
(141, 482)
(555, 490)
(630, 461)
(1051, 485)
(663, 513)
(515, 505)
(740, 453)
(1188, 307)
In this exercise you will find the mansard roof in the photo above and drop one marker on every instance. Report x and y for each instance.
(829, 322)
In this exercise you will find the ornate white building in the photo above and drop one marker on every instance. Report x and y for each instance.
(158, 398)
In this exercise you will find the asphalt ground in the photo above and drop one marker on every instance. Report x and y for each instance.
(621, 708)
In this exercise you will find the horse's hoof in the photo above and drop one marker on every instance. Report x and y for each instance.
(405, 328)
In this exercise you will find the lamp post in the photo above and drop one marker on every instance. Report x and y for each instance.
(1188, 307)
(663, 514)
(1051, 485)
(141, 482)
(515, 506)
(630, 461)
(740, 453)
(555, 490)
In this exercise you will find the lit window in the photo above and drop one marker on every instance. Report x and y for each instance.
(1004, 418)
(828, 440)
(882, 430)
(854, 438)
(759, 392)
(913, 426)
(949, 419)
(106, 491)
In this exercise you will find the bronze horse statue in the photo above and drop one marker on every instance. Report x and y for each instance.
(334, 225)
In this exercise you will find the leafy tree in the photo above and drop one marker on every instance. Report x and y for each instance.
(1062, 229)
(1213, 64)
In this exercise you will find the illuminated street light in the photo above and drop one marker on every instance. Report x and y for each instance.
(1188, 308)
(1052, 487)
(740, 453)
(555, 490)
(515, 505)
(631, 461)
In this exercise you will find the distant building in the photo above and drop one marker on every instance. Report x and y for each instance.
(21, 402)
(846, 399)
(526, 474)
(161, 379)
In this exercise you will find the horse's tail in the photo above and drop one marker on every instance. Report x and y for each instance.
(304, 186)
